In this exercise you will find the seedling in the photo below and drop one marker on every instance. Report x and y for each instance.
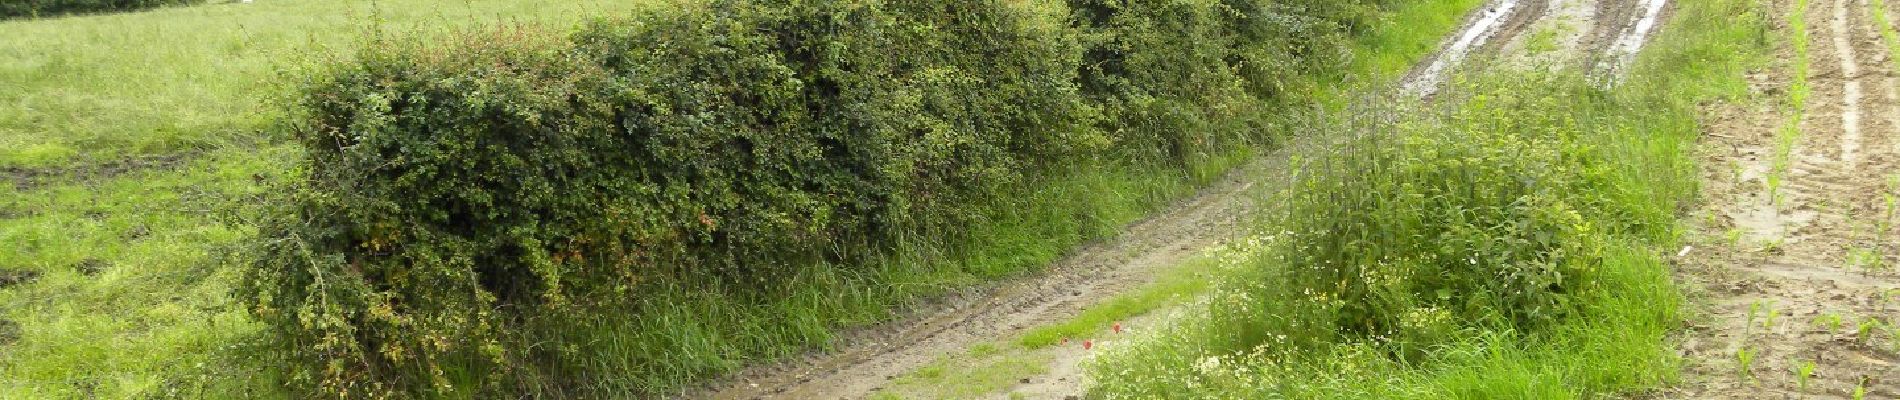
(1772, 246)
(1886, 224)
(1802, 373)
(1744, 360)
(1774, 187)
(1768, 322)
(1753, 308)
(1866, 330)
(1830, 320)
(1865, 258)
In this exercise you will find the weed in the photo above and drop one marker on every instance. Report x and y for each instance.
(1415, 309)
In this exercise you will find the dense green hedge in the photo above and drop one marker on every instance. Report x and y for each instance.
(50, 8)
(1182, 77)
(458, 194)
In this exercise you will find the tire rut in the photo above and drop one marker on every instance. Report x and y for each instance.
(1091, 274)
(1808, 293)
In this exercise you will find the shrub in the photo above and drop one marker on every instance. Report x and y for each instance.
(1498, 235)
(52, 8)
(1478, 217)
(454, 195)
(476, 216)
(1180, 78)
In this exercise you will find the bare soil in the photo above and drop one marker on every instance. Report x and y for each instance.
(1091, 274)
(1794, 281)
(24, 179)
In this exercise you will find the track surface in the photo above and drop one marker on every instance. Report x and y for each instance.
(868, 364)
(1790, 276)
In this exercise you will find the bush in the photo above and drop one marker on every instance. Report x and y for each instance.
(1488, 214)
(53, 8)
(1182, 78)
(472, 212)
(1500, 233)
(455, 195)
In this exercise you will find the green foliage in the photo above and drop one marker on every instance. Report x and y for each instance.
(496, 215)
(51, 8)
(1179, 78)
(1498, 242)
(1486, 219)
(1491, 221)
(457, 196)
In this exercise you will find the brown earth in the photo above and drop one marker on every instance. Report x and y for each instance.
(25, 179)
(1794, 281)
(1091, 274)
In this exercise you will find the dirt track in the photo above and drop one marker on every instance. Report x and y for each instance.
(868, 364)
(1796, 265)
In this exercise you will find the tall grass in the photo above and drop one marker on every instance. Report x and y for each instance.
(1500, 243)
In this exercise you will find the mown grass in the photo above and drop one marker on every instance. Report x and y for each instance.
(95, 88)
(1615, 163)
(189, 89)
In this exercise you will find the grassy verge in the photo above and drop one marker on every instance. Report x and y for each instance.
(987, 368)
(1382, 56)
(1502, 243)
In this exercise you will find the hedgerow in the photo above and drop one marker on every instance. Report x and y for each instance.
(1180, 78)
(52, 8)
(468, 207)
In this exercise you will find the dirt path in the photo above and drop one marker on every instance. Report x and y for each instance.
(876, 360)
(1492, 20)
(1794, 260)
(1091, 274)
(1598, 37)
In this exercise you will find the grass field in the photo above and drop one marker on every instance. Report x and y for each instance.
(135, 142)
